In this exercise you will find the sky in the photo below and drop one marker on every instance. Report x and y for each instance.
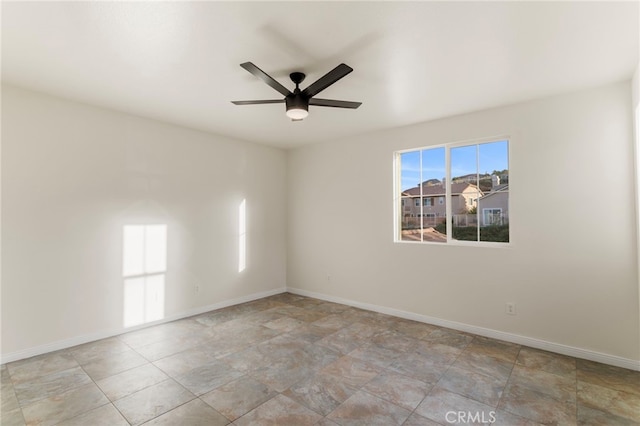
(482, 158)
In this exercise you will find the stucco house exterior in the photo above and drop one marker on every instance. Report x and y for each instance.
(494, 206)
(430, 203)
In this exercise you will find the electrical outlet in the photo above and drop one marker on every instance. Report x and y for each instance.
(197, 288)
(510, 308)
(328, 278)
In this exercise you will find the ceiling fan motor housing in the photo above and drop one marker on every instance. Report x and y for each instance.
(297, 101)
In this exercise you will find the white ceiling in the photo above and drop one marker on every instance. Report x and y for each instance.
(413, 61)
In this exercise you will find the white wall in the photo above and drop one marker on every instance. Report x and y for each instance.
(572, 266)
(635, 106)
(74, 175)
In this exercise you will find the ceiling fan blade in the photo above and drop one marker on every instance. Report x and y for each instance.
(327, 80)
(268, 101)
(334, 103)
(265, 77)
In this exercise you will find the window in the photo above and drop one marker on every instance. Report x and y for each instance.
(144, 268)
(471, 184)
(491, 217)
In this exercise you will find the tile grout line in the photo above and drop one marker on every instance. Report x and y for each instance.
(506, 384)
(15, 396)
(101, 391)
(440, 378)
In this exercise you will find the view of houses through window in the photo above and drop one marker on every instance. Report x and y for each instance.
(454, 192)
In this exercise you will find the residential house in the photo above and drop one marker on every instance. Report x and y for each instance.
(493, 207)
(430, 202)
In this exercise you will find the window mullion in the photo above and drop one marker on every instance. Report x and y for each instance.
(447, 191)
(396, 196)
(421, 202)
(477, 191)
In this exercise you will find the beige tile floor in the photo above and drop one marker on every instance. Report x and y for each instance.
(292, 360)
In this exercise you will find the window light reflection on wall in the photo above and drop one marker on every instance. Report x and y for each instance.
(143, 269)
(242, 236)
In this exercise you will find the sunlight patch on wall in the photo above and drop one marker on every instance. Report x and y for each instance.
(144, 267)
(242, 236)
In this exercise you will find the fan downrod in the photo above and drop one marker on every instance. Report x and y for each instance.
(297, 77)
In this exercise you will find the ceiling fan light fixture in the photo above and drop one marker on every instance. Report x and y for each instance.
(297, 106)
(297, 113)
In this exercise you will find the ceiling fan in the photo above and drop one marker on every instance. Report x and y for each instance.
(298, 101)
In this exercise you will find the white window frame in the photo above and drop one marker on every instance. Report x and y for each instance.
(397, 217)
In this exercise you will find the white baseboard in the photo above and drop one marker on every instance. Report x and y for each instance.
(79, 340)
(486, 332)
